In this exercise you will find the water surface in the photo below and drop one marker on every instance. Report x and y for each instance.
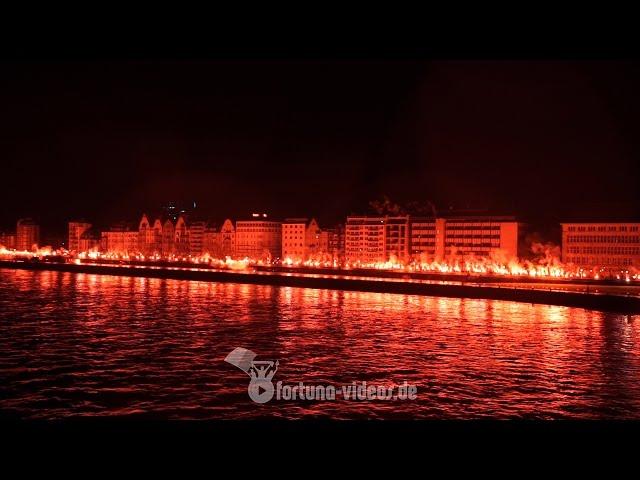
(84, 345)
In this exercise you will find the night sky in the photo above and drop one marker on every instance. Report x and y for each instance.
(109, 140)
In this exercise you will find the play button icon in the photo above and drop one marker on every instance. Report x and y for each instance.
(260, 390)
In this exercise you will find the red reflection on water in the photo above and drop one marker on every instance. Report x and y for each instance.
(88, 344)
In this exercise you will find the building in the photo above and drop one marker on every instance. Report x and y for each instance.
(376, 239)
(227, 239)
(258, 238)
(120, 239)
(606, 245)
(423, 238)
(76, 230)
(302, 239)
(211, 242)
(476, 236)
(334, 238)
(89, 240)
(181, 237)
(219, 243)
(196, 236)
(372, 239)
(294, 234)
(168, 237)
(315, 243)
(396, 238)
(8, 240)
(27, 235)
(149, 236)
(364, 239)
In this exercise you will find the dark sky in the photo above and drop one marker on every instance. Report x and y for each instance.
(107, 140)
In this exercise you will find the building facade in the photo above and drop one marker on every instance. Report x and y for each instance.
(27, 235)
(423, 238)
(476, 236)
(364, 239)
(76, 230)
(258, 238)
(294, 233)
(335, 241)
(149, 236)
(211, 242)
(313, 240)
(377, 239)
(8, 240)
(396, 238)
(89, 240)
(196, 236)
(606, 245)
(302, 239)
(405, 238)
(168, 238)
(227, 239)
(120, 239)
(181, 237)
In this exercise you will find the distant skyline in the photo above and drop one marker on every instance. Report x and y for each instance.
(109, 140)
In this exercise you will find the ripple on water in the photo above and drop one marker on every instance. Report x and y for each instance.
(87, 345)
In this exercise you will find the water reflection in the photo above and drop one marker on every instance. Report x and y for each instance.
(81, 344)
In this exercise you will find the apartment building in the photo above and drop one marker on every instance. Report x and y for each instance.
(376, 239)
(27, 235)
(120, 239)
(258, 237)
(613, 245)
(302, 239)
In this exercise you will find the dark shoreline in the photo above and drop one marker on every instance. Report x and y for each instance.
(601, 302)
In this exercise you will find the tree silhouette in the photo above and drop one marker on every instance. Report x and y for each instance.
(387, 207)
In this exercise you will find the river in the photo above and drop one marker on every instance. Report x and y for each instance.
(97, 345)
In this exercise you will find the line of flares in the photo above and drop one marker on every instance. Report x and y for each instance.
(499, 264)
(479, 266)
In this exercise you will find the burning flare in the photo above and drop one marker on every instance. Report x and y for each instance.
(546, 263)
